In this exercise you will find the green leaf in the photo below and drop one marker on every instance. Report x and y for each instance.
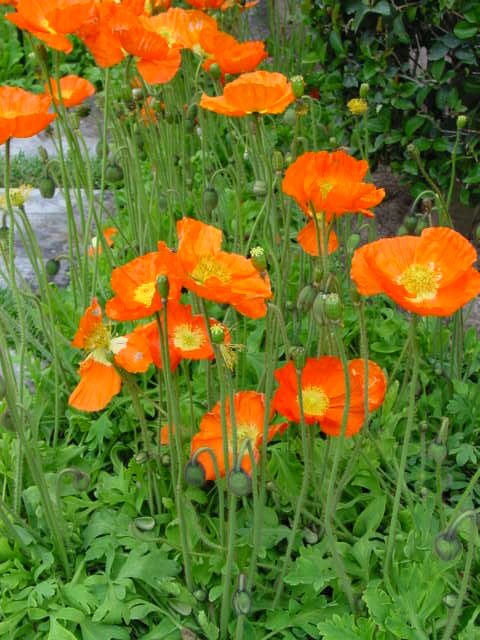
(378, 602)
(412, 124)
(437, 51)
(382, 8)
(311, 568)
(464, 30)
(336, 43)
(344, 628)
(57, 632)
(370, 518)
(150, 568)
(96, 631)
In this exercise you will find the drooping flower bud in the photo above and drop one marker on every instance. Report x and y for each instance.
(306, 298)
(239, 483)
(194, 474)
(47, 187)
(447, 545)
(210, 199)
(259, 188)
(333, 307)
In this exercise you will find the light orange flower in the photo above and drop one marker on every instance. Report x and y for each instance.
(256, 92)
(324, 393)
(22, 114)
(99, 379)
(95, 245)
(331, 184)
(249, 410)
(73, 90)
(51, 20)
(217, 275)
(231, 56)
(430, 275)
(181, 28)
(202, 5)
(377, 382)
(135, 285)
(307, 239)
(149, 332)
(151, 6)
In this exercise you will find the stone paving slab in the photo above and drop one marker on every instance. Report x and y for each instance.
(48, 218)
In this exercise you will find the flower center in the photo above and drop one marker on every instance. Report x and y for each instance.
(99, 338)
(324, 187)
(421, 281)
(247, 431)
(315, 401)
(210, 267)
(188, 338)
(144, 293)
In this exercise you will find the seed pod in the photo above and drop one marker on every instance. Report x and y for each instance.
(194, 474)
(210, 199)
(239, 483)
(52, 267)
(47, 187)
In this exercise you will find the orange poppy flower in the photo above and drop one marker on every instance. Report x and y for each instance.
(73, 90)
(249, 409)
(231, 56)
(150, 6)
(157, 63)
(96, 247)
(431, 275)
(135, 285)
(323, 394)
(51, 20)
(182, 28)
(217, 275)
(307, 239)
(256, 92)
(149, 333)
(22, 114)
(331, 184)
(205, 4)
(99, 380)
(377, 382)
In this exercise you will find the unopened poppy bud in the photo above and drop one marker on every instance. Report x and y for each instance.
(447, 545)
(43, 153)
(114, 173)
(163, 286)
(52, 267)
(259, 188)
(217, 333)
(242, 603)
(277, 161)
(47, 187)
(298, 86)
(194, 474)
(299, 357)
(290, 117)
(461, 122)
(210, 199)
(333, 307)
(200, 595)
(215, 71)
(353, 242)
(318, 276)
(84, 110)
(259, 259)
(364, 89)
(309, 536)
(410, 222)
(144, 523)
(450, 600)
(318, 308)
(437, 451)
(239, 483)
(306, 298)
(81, 479)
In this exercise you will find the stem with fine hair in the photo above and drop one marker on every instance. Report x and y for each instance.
(403, 458)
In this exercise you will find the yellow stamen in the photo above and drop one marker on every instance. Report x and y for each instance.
(144, 293)
(246, 431)
(315, 401)
(421, 281)
(188, 338)
(210, 267)
(98, 339)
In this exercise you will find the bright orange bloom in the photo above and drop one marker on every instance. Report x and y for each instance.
(51, 20)
(217, 275)
(249, 409)
(149, 332)
(323, 394)
(22, 114)
(331, 184)
(231, 56)
(95, 245)
(307, 239)
(205, 4)
(431, 275)
(155, 5)
(157, 63)
(377, 382)
(73, 90)
(135, 285)
(256, 92)
(182, 28)
(99, 380)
